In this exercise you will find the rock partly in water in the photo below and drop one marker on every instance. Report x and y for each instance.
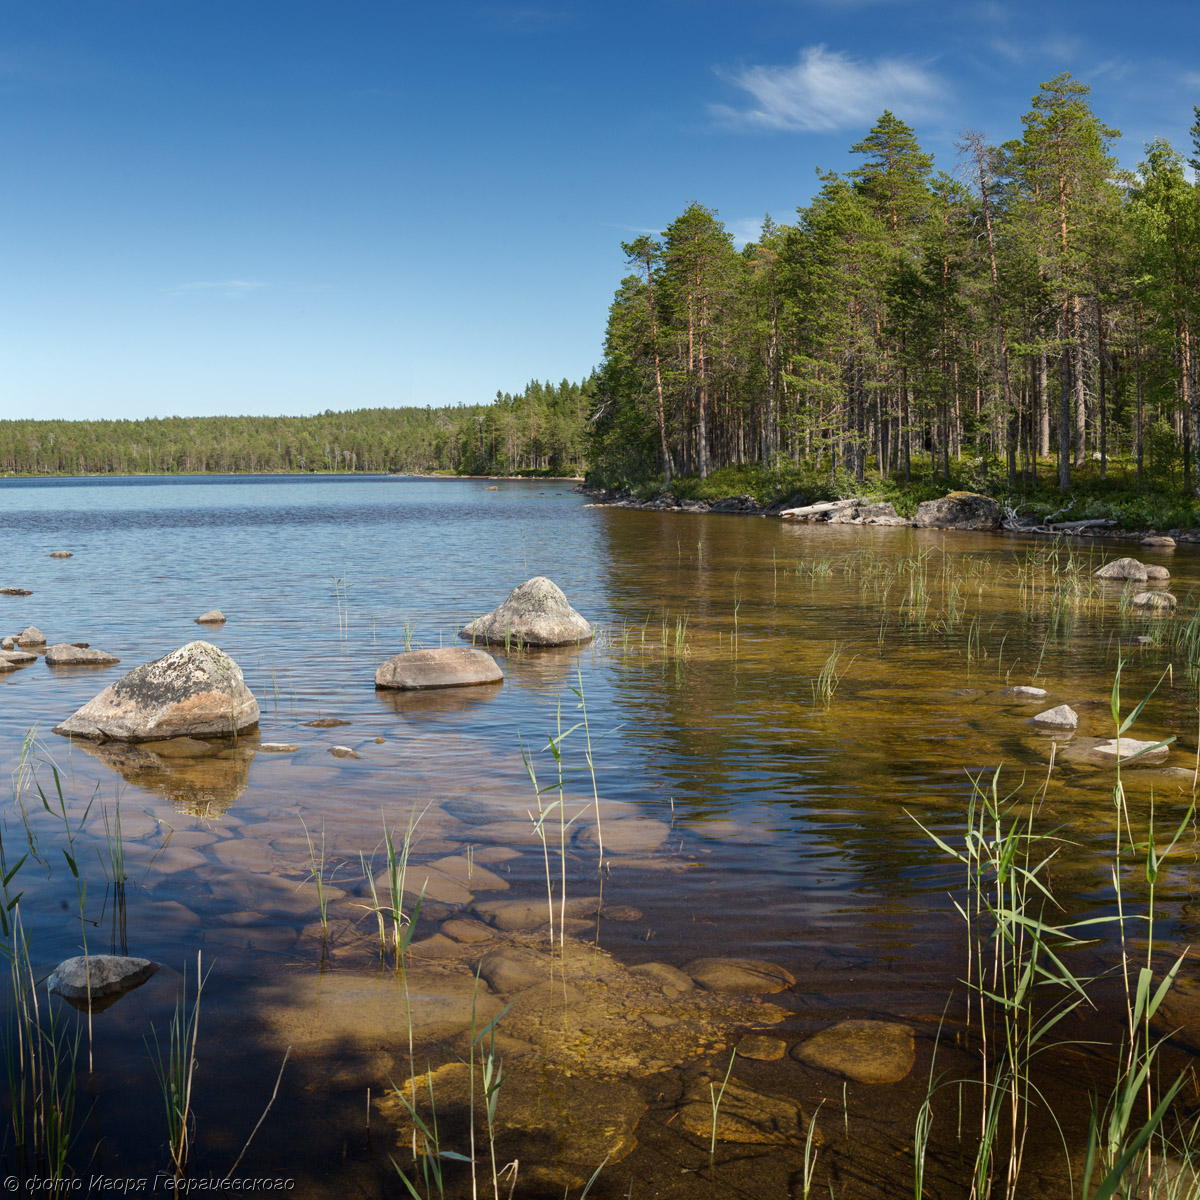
(67, 655)
(195, 691)
(1161, 540)
(1155, 602)
(863, 1051)
(1121, 569)
(32, 636)
(61, 554)
(746, 976)
(1062, 717)
(7, 643)
(278, 747)
(1026, 693)
(535, 614)
(451, 666)
(213, 617)
(344, 752)
(959, 510)
(17, 658)
(1127, 747)
(1155, 572)
(15, 591)
(326, 723)
(99, 977)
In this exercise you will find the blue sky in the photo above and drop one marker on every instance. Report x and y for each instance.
(283, 207)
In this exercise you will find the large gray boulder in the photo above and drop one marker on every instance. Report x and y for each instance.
(99, 976)
(535, 614)
(196, 691)
(66, 655)
(959, 510)
(452, 666)
(1121, 569)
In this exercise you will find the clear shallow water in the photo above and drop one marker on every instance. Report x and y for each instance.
(790, 837)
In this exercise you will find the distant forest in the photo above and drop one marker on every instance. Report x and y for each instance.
(1038, 303)
(537, 430)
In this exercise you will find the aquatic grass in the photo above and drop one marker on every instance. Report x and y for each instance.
(316, 863)
(403, 925)
(831, 675)
(175, 1069)
(715, 1097)
(810, 1154)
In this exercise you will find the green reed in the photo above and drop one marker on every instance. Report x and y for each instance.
(831, 674)
(316, 872)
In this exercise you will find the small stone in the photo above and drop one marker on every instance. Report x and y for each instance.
(1155, 601)
(1025, 693)
(453, 666)
(15, 591)
(32, 636)
(863, 1051)
(99, 976)
(1122, 568)
(61, 554)
(761, 1047)
(343, 752)
(278, 747)
(659, 1020)
(379, 741)
(213, 617)
(326, 723)
(1062, 717)
(1128, 747)
(69, 655)
(739, 975)
(7, 643)
(621, 912)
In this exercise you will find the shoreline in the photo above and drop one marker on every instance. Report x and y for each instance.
(747, 506)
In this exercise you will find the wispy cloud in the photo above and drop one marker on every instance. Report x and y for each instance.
(229, 289)
(745, 229)
(1060, 47)
(827, 90)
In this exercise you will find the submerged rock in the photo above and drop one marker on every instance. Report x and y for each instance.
(452, 666)
(278, 747)
(1160, 602)
(747, 976)
(1124, 748)
(15, 591)
(959, 510)
(744, 1115)
(863, 1051)
(1122, 568)
(195, 691)
(67, 655)
(326, 723)
(61, 554)
(344, 752)
(535, 614)
(1062, 717)
(32, 636)
(213, 617)
(1025, 693)
(761, 1047)
(99, 977)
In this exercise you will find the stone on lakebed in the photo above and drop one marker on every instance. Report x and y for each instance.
(1128, 747)
(1062, 717)
(1155, 602)
(1025, 693)
(195, 691)
(748, 976)
(535, 614)
(452, 666)
(67, 655)
(863, 1051)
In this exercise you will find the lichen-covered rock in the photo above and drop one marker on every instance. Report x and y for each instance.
(535, 614)
(959, 510)
(195, 691)
(1062, 717)
(99, 976)
(1122, 568)
(67, 655)
(451, 666)
(863, 1051)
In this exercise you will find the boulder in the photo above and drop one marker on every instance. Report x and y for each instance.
(535, 614)
(61, 554)
(452, 666)
(17, 658)
(739, 975)
(67, 655)
(1062, 717)
(7, 643)
(862, 1051)
(1025, 693)
(344, 752)
(15, 591)
(959, 510)
(1155, 601)
(1122, 568)
(1156, 572)
(214, 616)
(99, 976)
(32, 636)
(1159, 540)
(744, 1115)
(195, 691)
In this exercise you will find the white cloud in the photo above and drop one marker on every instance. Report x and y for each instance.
(745, 229)
(827, 90)
(232, 289)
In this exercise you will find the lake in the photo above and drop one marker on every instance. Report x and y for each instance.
(773, 723)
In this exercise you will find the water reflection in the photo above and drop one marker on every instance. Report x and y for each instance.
(431, 703)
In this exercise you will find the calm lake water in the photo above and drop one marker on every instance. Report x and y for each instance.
(749, 817)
